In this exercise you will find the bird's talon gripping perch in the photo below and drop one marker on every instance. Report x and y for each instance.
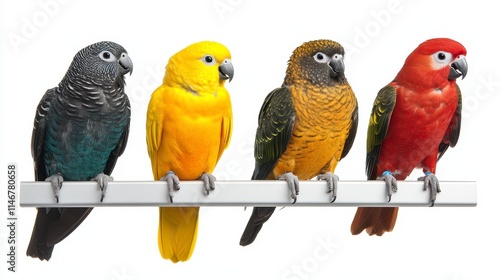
(172, 184)
(390, 182)
(331, 182)
(209, 182)
(293, 184)
(56, 181)
(431, 182)
(102, 181)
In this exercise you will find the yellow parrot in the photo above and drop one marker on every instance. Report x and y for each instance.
(188, 127)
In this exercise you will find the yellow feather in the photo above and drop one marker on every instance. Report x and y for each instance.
(177, 232)
(189, 125)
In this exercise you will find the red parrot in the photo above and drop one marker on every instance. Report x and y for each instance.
(414, 120)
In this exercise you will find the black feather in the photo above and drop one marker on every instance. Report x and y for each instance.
(453, 132)
(352, 132)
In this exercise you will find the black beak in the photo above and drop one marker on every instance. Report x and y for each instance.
(458, 68)
(226, 70)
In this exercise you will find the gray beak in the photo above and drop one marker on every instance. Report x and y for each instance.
(458, 68)
(126, 63)
(226, 70)
(337, 67)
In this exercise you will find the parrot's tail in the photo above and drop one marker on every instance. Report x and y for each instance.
(260, 215)
(376, 220)
(52, 225)
(177, 232)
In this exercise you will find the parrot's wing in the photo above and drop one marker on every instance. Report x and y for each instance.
(276, 120)
(226, 131)
(378, 125)
(51, 226)
(453, 131)
(154, 131)
(352, 132)
(118, 151)
(38, 134)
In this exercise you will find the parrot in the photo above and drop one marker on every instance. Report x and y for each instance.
(80, 129)
(188, 127)
(414, 120)
(306, 126)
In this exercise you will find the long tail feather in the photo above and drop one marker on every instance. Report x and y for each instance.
(260, 215)
(51, 227)
(376, 220)
(177, 232)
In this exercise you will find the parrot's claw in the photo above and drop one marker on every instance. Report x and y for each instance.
(56, 181)
(390, 182)
(102, 181)
(432, 182)
(293, 184)
(172, 184)
(209, 182)
(331, 182)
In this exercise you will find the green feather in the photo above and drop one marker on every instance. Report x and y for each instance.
(276, 119)
(378, 125)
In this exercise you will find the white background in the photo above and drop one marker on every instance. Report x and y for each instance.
(40, 38)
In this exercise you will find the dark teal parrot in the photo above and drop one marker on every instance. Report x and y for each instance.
(80, 129)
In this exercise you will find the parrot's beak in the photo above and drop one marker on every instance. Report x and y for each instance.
(226, 70)
(337, 67)
(458, 68)
(126, 63)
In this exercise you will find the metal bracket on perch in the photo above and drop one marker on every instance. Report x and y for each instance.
(245, 193)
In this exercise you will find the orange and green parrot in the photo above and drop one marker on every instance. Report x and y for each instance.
(306, 126)
(188, 127)
(414, 120)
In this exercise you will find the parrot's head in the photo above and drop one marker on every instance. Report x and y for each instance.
(202, 67)
(104, 64)
(434, 64)
(319, 62)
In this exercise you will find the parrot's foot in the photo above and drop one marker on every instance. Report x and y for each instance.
(209, 182)
(390, 182)
(432, 182)
(56, 181)
(331, 182)
(293, 184)
(172, 184)
(102, 181)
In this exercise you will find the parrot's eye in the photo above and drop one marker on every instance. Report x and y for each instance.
(208, 60)
(321, 57)
(107, 56)
(441, 59)
(337, 56)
